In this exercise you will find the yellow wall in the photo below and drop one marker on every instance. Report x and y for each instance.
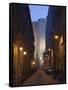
(17, 63)
(61, 55)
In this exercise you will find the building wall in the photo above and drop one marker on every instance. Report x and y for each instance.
(21, 36)
(56, 26)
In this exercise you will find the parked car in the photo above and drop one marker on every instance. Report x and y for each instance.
(49, 70)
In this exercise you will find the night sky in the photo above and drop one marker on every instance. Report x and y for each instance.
(38, 11)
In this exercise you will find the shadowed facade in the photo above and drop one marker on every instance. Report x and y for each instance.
(55, 40)
(22, 43)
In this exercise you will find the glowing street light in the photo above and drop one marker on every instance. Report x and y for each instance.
(24, 52)
(56, 36)
(40, 58)
(49, 49)
(21, 48)
(33, 62)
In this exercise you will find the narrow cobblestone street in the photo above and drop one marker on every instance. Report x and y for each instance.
(40, 77)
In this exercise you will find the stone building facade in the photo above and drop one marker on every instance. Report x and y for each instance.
(56, 39)
(21, 44)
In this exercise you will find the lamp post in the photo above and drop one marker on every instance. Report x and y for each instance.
(56, 54)
(20, 61)
(49, 52)
(22, 55)
(33, 63)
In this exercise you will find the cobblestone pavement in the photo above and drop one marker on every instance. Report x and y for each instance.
(40, 77)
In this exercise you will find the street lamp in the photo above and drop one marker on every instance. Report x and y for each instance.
(40, 58)
(56, 36)
(49, 49)
(49, 55)
(21, 48)
(24, 52)
(33, 62)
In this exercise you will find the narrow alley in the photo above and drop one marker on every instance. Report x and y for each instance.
(40, 78)
(38, 46)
